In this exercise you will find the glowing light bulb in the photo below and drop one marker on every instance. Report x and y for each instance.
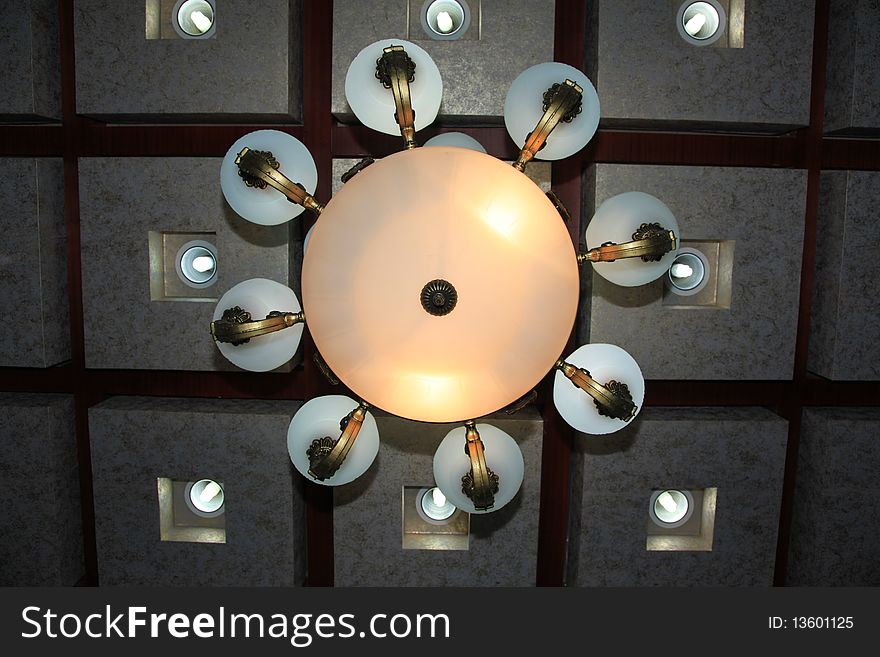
(667, 502)
(444, 22)
(206, 263)
(438, 497)
(695, 24)
(202, 22)
(209, 492)
(681, 270)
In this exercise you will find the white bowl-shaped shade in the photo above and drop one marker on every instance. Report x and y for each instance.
(373, 104)
(615, 221)
(604, 362)
(260, 296)
(268, 207)
(503, 457)
(307, 238)
(320, 417)
(459, 139)
(523, 109)
(440, 213)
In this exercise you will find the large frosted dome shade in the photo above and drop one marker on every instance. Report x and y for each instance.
(523, 108)
(373, 104)
(440, 213)
(459, 139)
(615, 221)
(268, 207)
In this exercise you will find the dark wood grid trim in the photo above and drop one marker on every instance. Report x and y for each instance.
(317, 82)
(82, 396)
(80, 137)
(793, 408)
(566, 176)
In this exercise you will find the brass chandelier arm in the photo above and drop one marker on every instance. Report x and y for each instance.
(562, 102)
(480, 484)
(237, 327)
(650, 243)
(559, 205)
(612, 400)
(520, 403)
(260, 169)
(395, 70)
(326, 456)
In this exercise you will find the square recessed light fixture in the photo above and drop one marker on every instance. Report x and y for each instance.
(681, 520)
(192, 511)
(431, 523)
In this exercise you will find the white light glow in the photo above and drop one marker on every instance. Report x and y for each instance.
(206, 497)
(203, 264)
(671, 507)
(695, 24)
(209, 492)
(202, 22)
(444, 22)
(435, 505)
(666, 502)
(681, 270)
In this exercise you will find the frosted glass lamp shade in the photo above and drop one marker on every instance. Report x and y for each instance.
(307, 238)
(604, 362)
(615, 221)
(320, 417)
(523, 109)
(503, 457)
(373, 104)
(440, 213)
(259, 297)
(458, 139)
(268, 207)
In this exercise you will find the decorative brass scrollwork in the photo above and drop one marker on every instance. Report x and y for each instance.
(326, 455)
(260, 169)
(650, 243)
(237, 327)
(395, 70)
(612, 400)
(562, 102)
(479, 483)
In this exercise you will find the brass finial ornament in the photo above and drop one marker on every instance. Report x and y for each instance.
(396, 70)
(612, 400)
(562, 103)
(236, 326)
(438, 297)
(650, 242)
(260, 169)
(327, 455)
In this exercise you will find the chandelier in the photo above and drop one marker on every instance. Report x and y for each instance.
(440, 284)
